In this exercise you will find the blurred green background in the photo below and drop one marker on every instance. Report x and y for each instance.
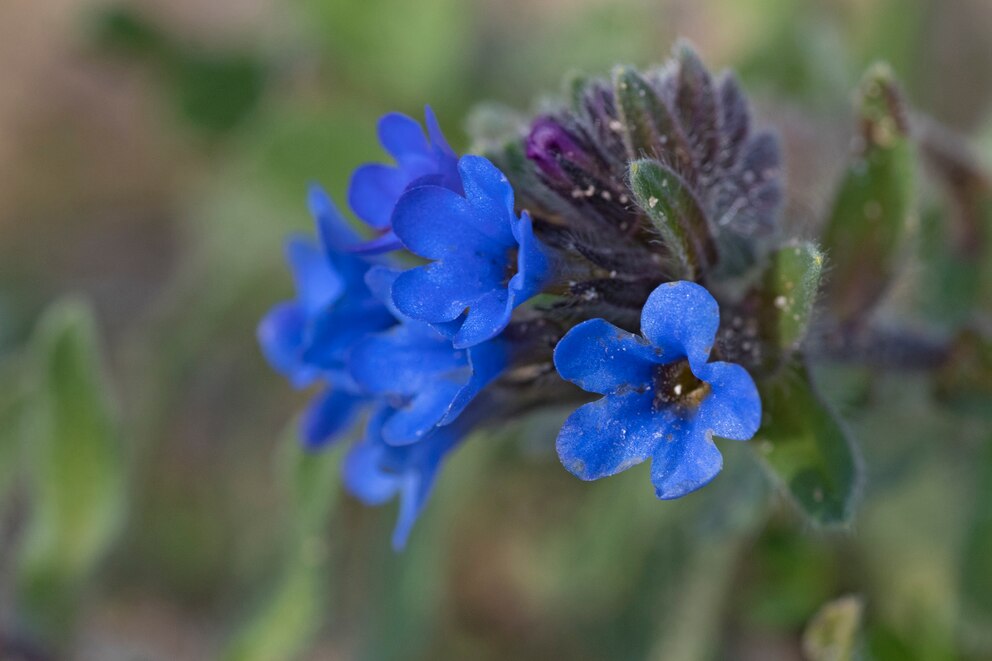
(153, 502)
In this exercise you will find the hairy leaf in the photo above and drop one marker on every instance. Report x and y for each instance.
(807, 449)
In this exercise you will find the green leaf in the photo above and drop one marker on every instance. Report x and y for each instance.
(807, 449)
(790, 287)
(832, 633)
(676, 214)
(871, 212)
(77, 470)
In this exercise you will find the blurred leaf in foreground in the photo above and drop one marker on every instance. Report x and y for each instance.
(76, 465)
(832, 634)
(871, 211)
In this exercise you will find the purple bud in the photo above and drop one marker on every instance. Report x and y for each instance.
(548, 144)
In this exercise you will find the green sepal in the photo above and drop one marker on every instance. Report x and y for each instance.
(647, 125)
(789, 294)
(675, 213)
(871, 212)
(807, 449)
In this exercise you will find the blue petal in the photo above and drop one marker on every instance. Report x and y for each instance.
(490, 195)
(328, 415)
(373, 192)
(599, 357)
(437, 138)
(611, 434)
(375, 472)
(415, 490)
(487, 361)
(404, 360)
(733, 407)
(449, 328)
(351, 269)
(280, 335)
(681, 319)
(487, 316)
(317, 284)
(334, 231)
(490, 314)
(419, 416)
(402, 136)
(336, 331)
(441, 291)
(384, 243)
(423, 463)
(379, 279)
(436, 223)
(687, 463)
(533, 265)
(362, 471)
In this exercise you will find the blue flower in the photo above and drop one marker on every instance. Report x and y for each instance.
(308, 338)
(414, 368)
(486, 259)
(375, 471)
(375, 188)
(663, 400)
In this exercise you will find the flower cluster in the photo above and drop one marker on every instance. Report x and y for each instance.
(538, 261)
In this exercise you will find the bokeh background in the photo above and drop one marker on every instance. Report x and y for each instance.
(154, 154)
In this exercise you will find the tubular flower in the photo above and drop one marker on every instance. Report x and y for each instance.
(375, 472)
(416, 370)
(662, 401)
(307, 339)
(375, 187)
(486, 260)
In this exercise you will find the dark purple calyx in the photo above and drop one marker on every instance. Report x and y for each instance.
(549, 145)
